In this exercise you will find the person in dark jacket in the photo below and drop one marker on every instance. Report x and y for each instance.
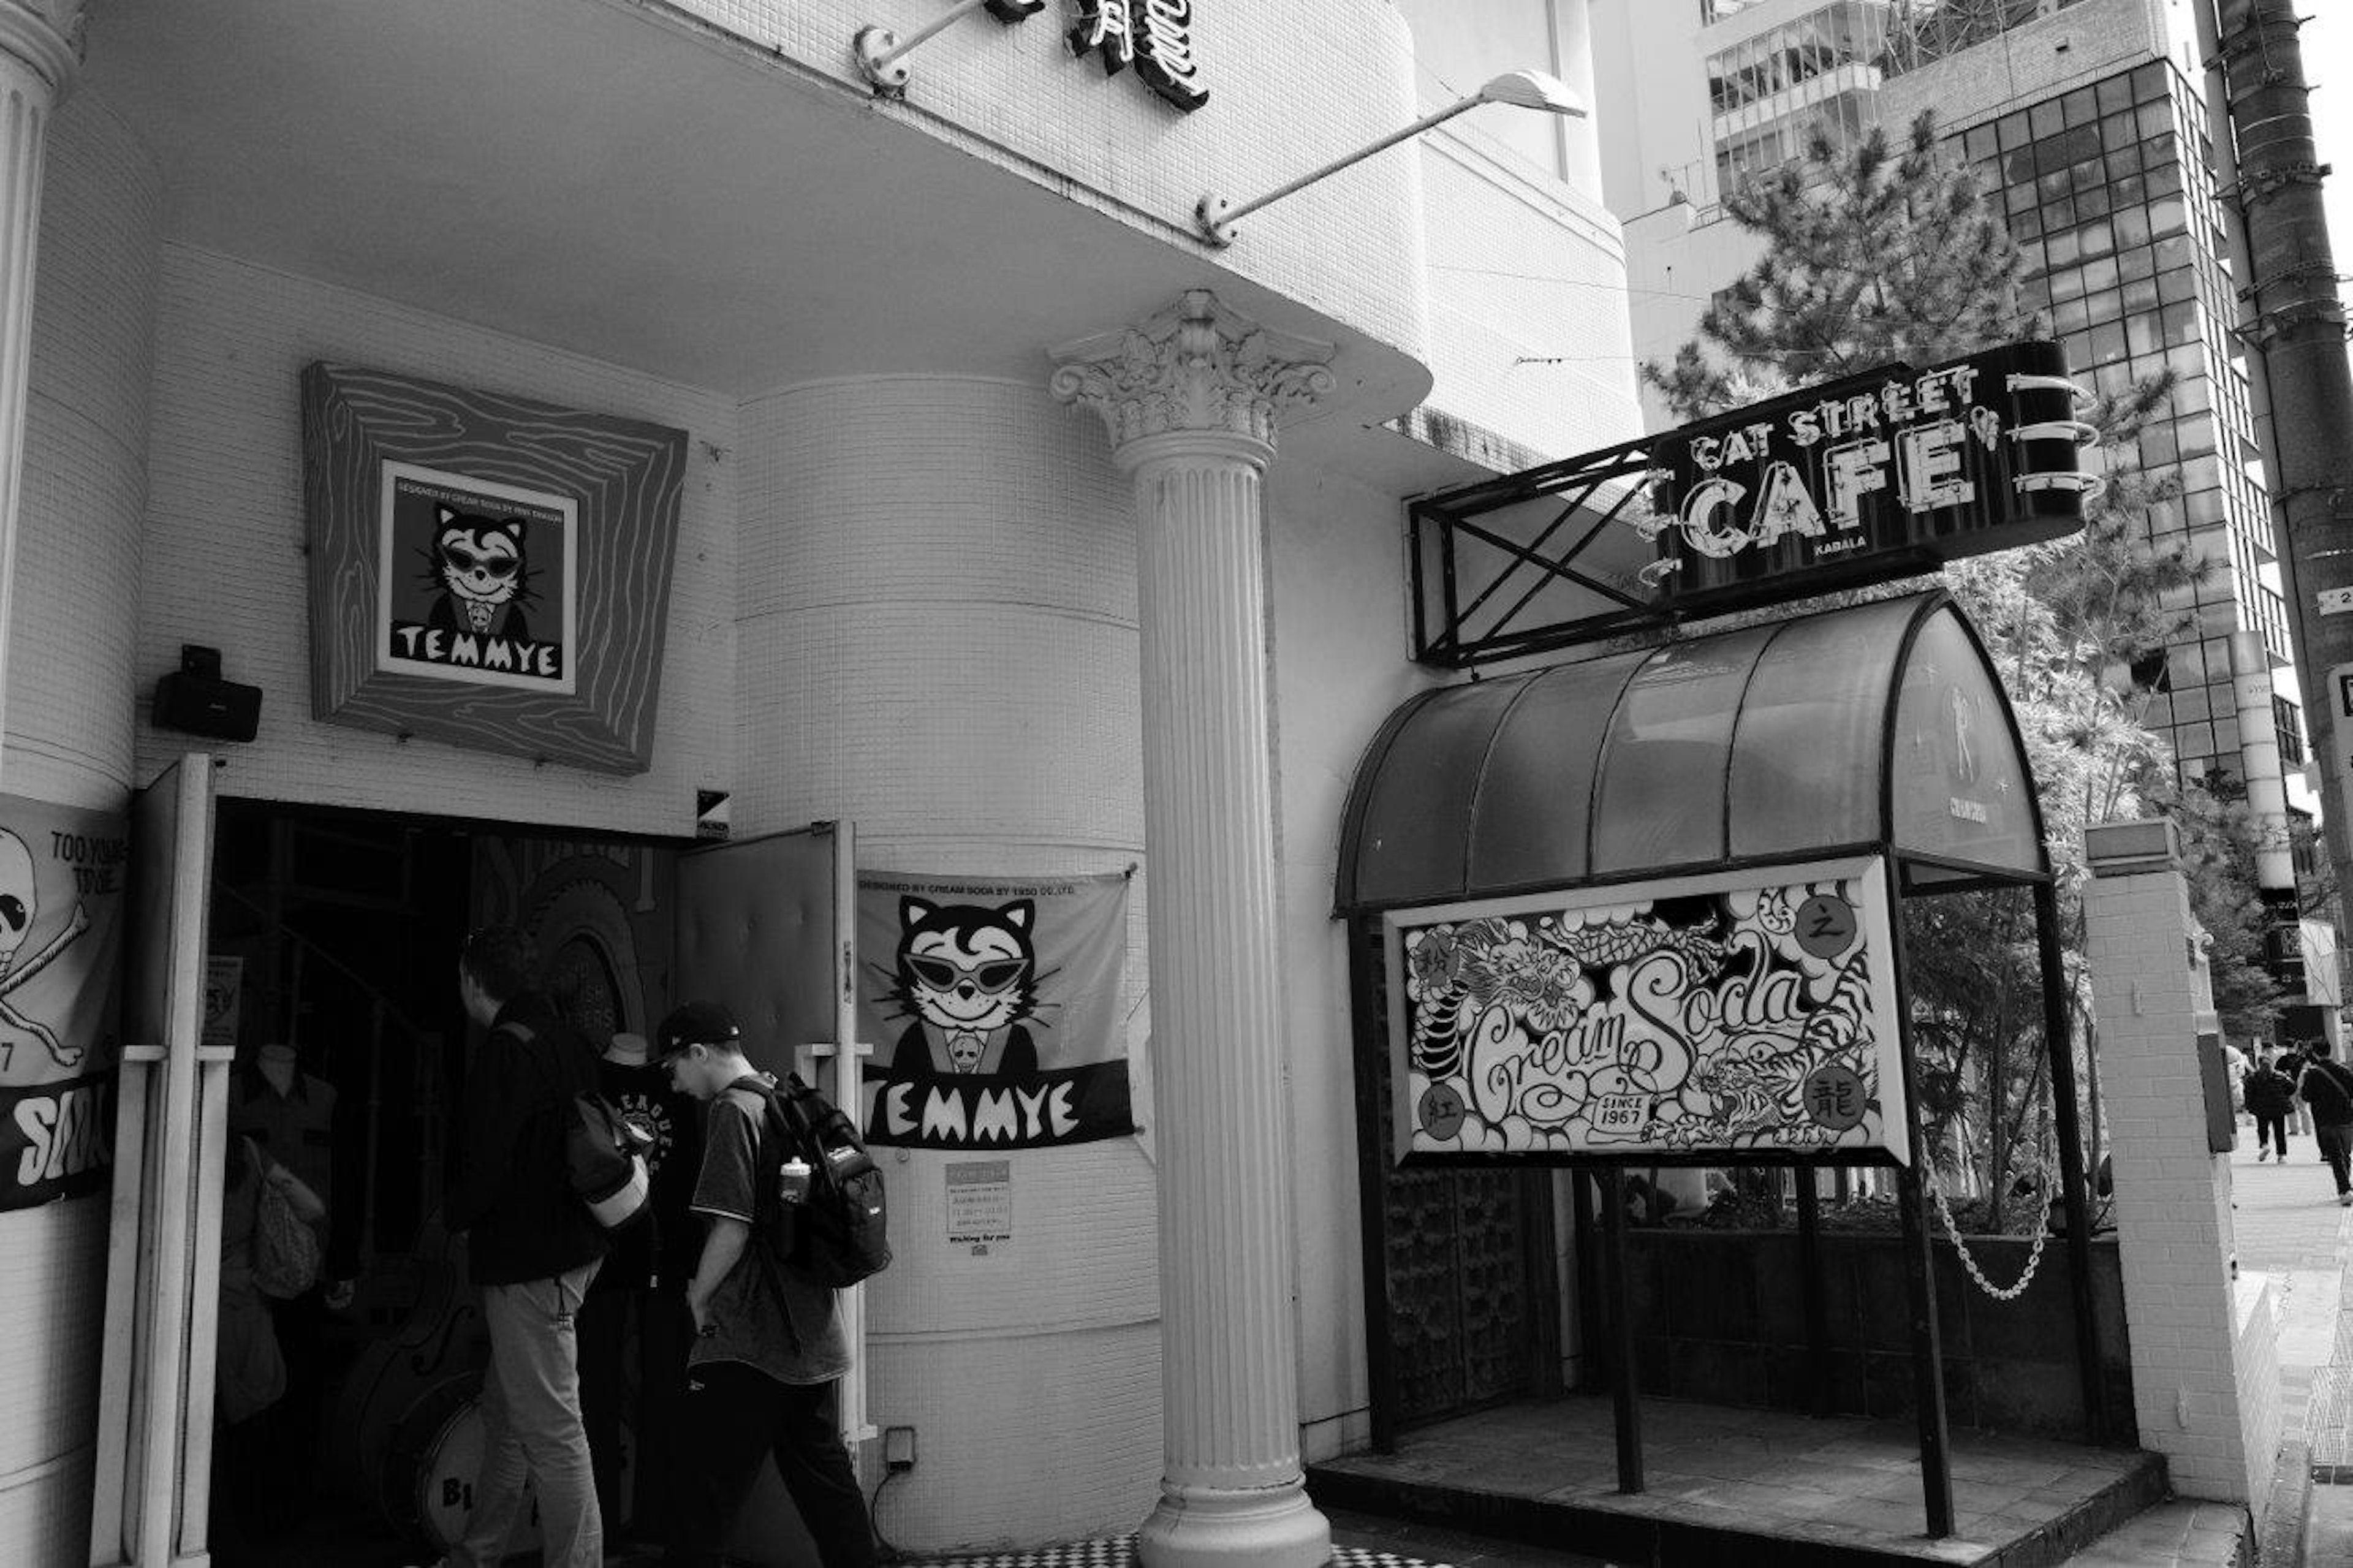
(533, 1249)
(2270, 1094)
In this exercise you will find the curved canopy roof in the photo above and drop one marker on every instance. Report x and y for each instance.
(1877, 729)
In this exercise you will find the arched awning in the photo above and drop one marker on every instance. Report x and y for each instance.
(1876, 729)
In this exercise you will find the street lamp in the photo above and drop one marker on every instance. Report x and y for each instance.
(1215, 216)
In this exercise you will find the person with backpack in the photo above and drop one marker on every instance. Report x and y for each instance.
(531, 1248)
(2328, 1087)
(2270, 1094)
(769, 1353)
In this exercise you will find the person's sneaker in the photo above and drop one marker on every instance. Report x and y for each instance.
(2344, 1200)
(2263, 1155)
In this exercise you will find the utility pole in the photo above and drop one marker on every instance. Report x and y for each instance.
(2296, 326)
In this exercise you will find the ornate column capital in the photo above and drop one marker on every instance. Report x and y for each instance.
(47, 36)
(1196, 368)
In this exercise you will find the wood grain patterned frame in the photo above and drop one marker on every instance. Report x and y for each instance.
(620, 481)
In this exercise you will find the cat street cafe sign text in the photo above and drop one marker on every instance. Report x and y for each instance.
(1877, 476)
(1156, 36)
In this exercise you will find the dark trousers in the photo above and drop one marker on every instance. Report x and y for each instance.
(731, 1417)
(2335, 1140)
(2272, 1124)
(632, 1376)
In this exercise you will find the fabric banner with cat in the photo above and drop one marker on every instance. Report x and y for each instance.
(994, 1004)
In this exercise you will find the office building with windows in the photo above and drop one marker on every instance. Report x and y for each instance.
(2098, 129)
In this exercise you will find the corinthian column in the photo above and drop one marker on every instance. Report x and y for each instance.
(1191, 397)
(41, 54)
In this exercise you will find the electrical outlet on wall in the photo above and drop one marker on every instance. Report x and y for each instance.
(898, 1447)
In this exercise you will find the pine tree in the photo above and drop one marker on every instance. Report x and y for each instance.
(1888, 251)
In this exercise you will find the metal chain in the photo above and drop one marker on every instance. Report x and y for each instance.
(2033, 1257)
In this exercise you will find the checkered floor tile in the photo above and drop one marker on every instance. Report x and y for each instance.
(1119, 1551)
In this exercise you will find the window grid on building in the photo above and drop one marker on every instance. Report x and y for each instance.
(2110, 195)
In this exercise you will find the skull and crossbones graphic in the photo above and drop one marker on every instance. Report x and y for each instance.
(19, 906)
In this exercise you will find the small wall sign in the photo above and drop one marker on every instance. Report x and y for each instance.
(980, 1203)
(481, 580)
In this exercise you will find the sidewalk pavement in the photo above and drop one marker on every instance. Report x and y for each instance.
(2289, 1227)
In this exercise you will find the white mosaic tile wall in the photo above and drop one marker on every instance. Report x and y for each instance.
(68, 739)
(225, 564)
(1293, 84)
(938, 642)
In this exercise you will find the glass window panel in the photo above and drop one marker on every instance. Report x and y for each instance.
(1528, 820)
(2092, 200)
(2061, 248)
(2059, 213)
(2140, 261)
(1664, 766)
(1953, 745)
(2195, 436)
(2114, 94)
(2028, 223)
(2097, 237)
(2125, 162)
(2162, 179)
(2148, 81)
(2159, 446)
(2011, 128)
(1805, 758)
(2167, 216)
(1408, 845)
(2111, 379)
(1978, 143)
(2154, 120)
(2099, 274)
(2108, 343)
(2079, 108)
(2019, 198)
(2131, 222)
(2069, 317)
(2180, 321)
(2066, 284)
(2044, 120)
(2201, 474)
(2193, 394)
(2178, 286)
(2139, 294)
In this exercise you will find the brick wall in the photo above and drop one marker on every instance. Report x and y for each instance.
(68, 737)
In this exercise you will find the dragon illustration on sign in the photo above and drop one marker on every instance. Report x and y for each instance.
(1722, 1019)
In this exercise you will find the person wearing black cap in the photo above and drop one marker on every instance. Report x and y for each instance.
(769, 1352)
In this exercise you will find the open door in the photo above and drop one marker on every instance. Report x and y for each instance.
(769, 927)
(162, 1278)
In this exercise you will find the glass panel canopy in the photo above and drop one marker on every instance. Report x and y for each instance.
(1874, 727)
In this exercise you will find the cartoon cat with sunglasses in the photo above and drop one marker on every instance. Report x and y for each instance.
(478, 563)
(969, 976)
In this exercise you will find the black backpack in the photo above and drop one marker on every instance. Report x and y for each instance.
(604, 1155)
(828, 1222)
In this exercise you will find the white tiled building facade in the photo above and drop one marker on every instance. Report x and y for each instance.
(906, 589)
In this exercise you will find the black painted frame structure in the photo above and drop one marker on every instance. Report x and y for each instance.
(1366, 895)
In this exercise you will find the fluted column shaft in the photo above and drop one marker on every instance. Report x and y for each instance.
(1191, 400)
(40, 51)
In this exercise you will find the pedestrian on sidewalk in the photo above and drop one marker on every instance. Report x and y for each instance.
(2291, 1061)
(2270, 1094)
(2328, 1087)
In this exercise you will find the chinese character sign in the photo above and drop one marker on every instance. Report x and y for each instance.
(1703, 1016)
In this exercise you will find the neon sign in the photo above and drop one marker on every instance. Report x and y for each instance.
(1868, 477)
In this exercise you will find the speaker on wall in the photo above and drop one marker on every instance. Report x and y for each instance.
(195, 699)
